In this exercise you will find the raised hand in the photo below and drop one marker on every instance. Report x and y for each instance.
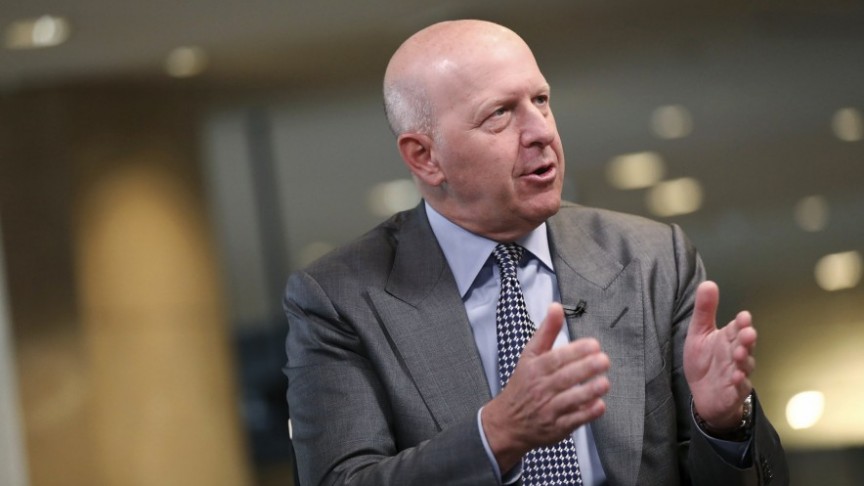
(718, 362)
(550, 394)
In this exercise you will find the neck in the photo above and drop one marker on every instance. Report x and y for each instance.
(503, 233)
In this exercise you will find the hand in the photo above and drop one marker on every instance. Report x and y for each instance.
(550, 394)
(718, 362)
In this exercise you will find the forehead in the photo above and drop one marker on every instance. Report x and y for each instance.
(479, 72)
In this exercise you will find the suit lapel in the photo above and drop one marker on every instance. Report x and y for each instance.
(613, 314)
(425, 319)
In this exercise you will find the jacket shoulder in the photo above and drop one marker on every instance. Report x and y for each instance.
(368, 258)
(607, 226)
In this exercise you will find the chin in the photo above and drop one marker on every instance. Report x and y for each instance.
(549, 202)
(542, 209)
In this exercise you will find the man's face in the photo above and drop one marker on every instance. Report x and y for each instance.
(496, 141)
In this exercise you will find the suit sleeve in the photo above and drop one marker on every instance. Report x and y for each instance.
(341, 416)
(702, 464)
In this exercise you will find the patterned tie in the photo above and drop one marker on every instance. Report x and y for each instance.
(556, 464)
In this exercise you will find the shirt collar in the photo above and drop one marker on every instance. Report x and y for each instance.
(466, 252)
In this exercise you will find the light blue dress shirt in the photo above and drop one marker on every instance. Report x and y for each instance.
(476, 274)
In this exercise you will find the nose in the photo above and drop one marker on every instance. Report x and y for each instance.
(538, 126)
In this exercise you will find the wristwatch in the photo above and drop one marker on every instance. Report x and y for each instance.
(740, 433)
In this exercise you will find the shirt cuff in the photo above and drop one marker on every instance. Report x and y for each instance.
(512, 476)
(733, 452)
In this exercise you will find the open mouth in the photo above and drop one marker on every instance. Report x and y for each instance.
(542, 170)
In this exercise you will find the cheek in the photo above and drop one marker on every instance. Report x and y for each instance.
(480, 164)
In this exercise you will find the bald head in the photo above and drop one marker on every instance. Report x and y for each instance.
(470, 110)
(427, 56)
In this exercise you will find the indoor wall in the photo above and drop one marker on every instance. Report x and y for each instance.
(123, 349)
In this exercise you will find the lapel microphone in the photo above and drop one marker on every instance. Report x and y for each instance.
(575, 311)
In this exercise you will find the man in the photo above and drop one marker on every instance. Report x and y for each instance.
(400, 350)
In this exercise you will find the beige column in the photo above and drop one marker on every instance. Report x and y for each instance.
(165, 409)
(123, 344)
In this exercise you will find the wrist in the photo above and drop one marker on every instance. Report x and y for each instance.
(503, 447)
(740, 431)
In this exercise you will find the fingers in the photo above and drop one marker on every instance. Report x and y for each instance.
(588, 412)
(705, 312)
(581, 396)
(578, 385)
(742, 336)
(551, 387)
(564, 367)
(545, 335)
(578, 367)
(743, 339)
(745, 330)
(547, 397)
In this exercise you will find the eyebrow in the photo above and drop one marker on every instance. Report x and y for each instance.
(486, 106)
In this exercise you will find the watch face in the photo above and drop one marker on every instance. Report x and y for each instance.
(747, 416)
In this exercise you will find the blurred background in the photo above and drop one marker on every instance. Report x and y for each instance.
(165, 165)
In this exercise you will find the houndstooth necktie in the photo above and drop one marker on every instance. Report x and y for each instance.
(555, 464)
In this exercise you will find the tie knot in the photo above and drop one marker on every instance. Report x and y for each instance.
(508, 256)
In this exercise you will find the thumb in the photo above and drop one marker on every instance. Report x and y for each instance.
(545, 335)
(704, 318)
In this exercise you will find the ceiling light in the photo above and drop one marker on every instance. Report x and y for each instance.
(675, 197)
(848, 125)
(387, 198)
(671, 121)
(635, 171)
(185, 62)
(45, 31)
(811, 213)
(805, 409)
(839, 271)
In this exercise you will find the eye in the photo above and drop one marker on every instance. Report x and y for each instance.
(541, 100)
(498, 118)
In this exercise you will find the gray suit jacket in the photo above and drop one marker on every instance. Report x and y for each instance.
(385, 381)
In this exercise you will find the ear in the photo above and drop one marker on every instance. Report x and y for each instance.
(416, 151)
